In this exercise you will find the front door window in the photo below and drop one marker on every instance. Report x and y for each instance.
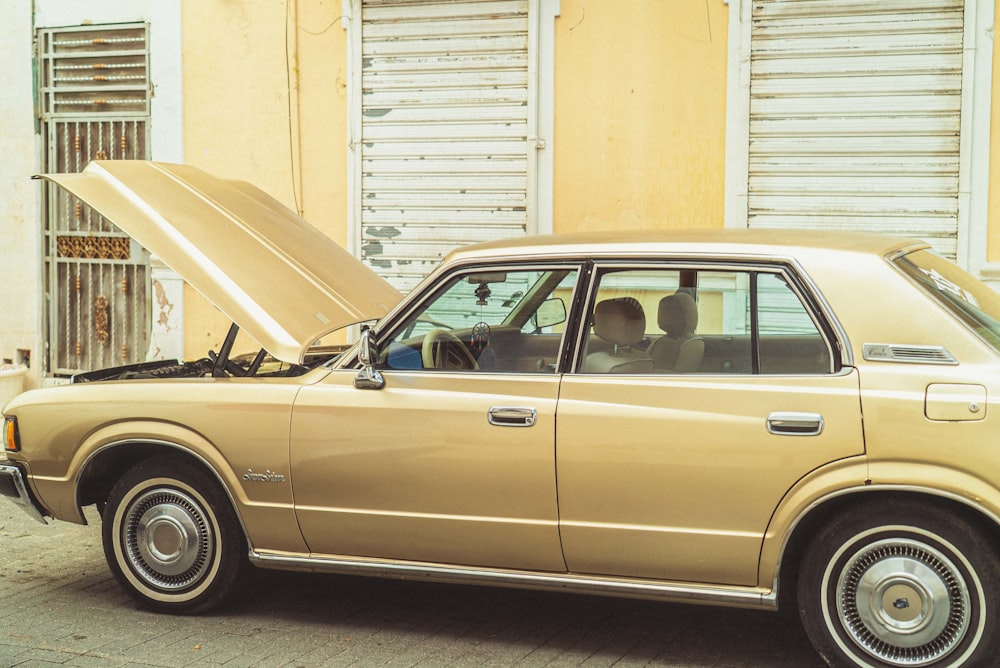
(493, 321)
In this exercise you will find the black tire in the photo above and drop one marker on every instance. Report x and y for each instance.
(901, 584)
(171, 537)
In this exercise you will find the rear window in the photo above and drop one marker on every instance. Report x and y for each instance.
(968, 298)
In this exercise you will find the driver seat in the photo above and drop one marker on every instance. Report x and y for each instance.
(622, 323)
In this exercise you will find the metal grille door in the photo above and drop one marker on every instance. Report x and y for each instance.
(855, 112)
(447, 130)
(94, 93)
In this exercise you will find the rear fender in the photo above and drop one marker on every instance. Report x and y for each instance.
(856, 476)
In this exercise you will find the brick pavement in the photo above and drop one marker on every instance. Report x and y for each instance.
(60, 606)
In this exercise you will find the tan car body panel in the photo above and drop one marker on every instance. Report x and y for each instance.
(240, 425)
(676, 477)
(241, 248)
(376, 477)
(230, 424)
(842, 477)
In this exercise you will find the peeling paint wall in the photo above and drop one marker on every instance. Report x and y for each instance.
(166, 338)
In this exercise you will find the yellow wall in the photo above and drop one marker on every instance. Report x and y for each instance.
(640, 121)
(265, 101)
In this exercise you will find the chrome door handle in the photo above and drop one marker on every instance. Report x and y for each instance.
(511, 416)
(795, 424)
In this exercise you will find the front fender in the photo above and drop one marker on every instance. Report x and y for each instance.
(238, 428)
(267, 515)
(59, 493)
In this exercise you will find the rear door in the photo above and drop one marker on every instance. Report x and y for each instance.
(675, 476)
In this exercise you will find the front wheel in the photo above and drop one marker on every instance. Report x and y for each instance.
(901, 584)
(172, 538)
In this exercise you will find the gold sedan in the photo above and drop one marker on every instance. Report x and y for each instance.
(738, 418)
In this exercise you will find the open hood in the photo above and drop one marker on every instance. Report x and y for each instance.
(276, 276)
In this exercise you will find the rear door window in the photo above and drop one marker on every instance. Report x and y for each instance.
(666, 320)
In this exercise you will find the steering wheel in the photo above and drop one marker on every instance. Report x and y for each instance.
(443, 350)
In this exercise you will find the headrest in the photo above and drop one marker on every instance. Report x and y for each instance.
(678, 314)
(620, 321)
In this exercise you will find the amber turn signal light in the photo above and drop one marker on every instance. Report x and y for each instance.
(11, 439)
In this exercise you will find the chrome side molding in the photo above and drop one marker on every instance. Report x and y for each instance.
(743, 597)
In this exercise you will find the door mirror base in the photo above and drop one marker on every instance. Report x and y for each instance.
(368, 378)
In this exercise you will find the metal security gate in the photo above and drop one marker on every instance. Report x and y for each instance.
(94, 93)
(446, 130)
(855, 110)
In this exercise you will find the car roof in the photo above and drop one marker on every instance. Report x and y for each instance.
(728, 242)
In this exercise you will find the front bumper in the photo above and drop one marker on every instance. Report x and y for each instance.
(13, 487)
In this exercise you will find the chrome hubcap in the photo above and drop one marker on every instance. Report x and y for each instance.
(903, 602)
(168, 540)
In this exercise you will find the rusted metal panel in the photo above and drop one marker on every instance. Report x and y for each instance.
(445, 150)
(855, 111)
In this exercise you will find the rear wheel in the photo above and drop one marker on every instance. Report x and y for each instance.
(901, 585)
(172, 538)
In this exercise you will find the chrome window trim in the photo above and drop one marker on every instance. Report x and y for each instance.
(846, 352)
(897, 253)
(833, 333)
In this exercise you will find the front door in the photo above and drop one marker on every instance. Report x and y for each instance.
(671, 468)
(453, 460)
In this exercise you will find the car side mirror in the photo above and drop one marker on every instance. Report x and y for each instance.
(550, 312)
(368, 378)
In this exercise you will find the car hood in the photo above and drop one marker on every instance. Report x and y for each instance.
(276, 276)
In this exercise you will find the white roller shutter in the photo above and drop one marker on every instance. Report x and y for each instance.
(854, 116)
(445, 128)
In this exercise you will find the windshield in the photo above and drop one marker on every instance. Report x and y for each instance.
(969, 299)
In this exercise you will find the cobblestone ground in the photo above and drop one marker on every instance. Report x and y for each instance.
(59, 605)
